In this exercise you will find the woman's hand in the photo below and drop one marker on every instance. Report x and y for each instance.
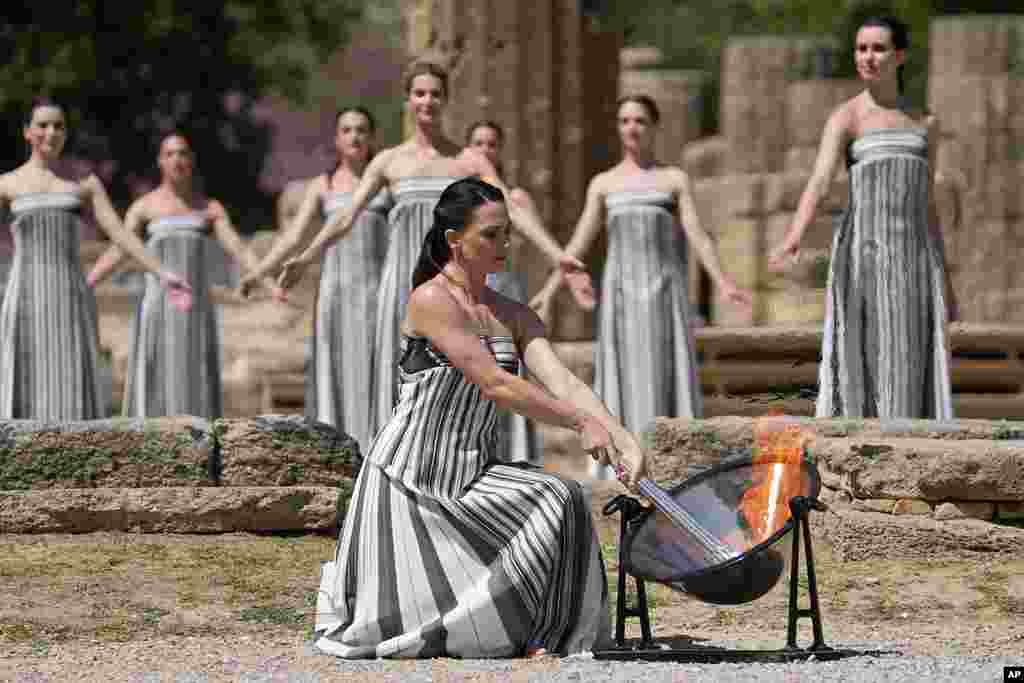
(595, 439)
(734, 295)
(246, 284)
(784, 255)
(631, 467)
(179, 292)
(292, 272)
(580, 283)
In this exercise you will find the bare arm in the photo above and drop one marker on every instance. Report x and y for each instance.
(702, 242)
(225, 232)
(111, 224)
(587, 229)
(545, 365)
(434, 313)
(111, 259)
(341, 222)
(294, 232)
(833, 141)
(526, 219)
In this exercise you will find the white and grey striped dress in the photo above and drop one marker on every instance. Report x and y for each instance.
(446, 553)
(410, 219)
(645, 365)
(48, 333)
(885, 352)
(519, 441)
(174, 363)
(346, 309)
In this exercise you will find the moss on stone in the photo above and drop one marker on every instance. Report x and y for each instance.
(45, 457)
(79, 465)
(341, 505)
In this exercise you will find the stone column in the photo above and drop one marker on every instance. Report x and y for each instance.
(976, 92)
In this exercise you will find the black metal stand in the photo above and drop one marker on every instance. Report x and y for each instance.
(800, 506)
(630, 509)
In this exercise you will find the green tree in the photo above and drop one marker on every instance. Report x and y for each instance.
(126, 72)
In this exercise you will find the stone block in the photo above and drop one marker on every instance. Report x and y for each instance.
(855, 535)
(910, 506)
(182, 509)
(284, 450)
(883, 505)
(1010, 511)
(965, 510)
(928, 469)
(810, 103)
(705, 157)
(791, 306)
(740, 249)
(121, 452)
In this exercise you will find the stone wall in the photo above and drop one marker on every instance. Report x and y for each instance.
(177, 475)
(976, 90)
(896, 489)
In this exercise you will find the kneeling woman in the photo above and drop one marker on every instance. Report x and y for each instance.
(445, 552)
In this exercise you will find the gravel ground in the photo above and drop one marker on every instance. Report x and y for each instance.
(255, 659)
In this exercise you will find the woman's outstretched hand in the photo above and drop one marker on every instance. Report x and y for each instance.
(580, 283)
(246, 284)
(734, 295)
(784, 255)
(179, 292)
(292, 272)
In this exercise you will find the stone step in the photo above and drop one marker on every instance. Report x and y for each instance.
(184, 509)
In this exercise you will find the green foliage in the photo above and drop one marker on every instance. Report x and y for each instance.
(280, 616)
(83, 465)
(128, 72)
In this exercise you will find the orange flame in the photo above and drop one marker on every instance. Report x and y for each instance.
(778, 475)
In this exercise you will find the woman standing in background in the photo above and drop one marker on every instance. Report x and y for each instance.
(174, 366)
(889, 296)
(346, 305)
(645, 365)
(48, 333)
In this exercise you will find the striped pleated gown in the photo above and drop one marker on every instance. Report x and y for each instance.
(48, 333)
(174, 363)
(520, 442)
(343, 357)
(445, 553)
(645, 366)
(885, 352)
(410, 219)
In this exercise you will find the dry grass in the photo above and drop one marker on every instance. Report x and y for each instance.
(121, 587)
(116, 588)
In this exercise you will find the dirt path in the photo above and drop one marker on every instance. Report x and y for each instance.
(124, 607)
